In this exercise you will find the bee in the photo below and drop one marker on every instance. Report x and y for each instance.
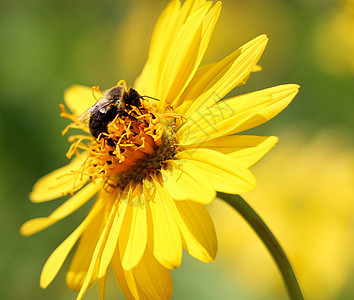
(117, 100)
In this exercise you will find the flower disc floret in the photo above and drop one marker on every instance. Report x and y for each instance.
(130, 150)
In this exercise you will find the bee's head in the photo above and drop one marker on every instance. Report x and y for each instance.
(132, 97)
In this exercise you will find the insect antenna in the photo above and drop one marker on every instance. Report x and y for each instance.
(142, 97)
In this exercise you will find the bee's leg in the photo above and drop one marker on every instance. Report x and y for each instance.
(125, 114)
(139, 110)
(122, 113)
(133, 110)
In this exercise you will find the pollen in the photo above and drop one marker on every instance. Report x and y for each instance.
(130, 150)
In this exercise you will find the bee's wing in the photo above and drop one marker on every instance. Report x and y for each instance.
(98, 106)
(86, 114)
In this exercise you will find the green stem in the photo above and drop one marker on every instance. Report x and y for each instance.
(269, 240)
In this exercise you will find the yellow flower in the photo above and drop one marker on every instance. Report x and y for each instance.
(155, 164)
(336, 46)
(311, 210)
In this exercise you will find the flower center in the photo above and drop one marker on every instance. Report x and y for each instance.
(136, 144)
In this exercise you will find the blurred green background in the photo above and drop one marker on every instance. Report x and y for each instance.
(49, 45)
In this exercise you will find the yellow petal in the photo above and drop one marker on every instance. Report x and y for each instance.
(134, 287)
(257, 68)
(92, 271)
(153, 278)
(224, 76)
(163, 32)
(59, 182)
(132, 241)
(119, 275)
(101, 286)
(236, 114)
(245, 149)
(82, 257)
(167, 246)
(200, 225)
(182, 54)
(79, 98)
(183, 181)
(71, 205)
(112, 239)
(186, 69)
(257, 147)
(81, 260)
(126, 279)
(197, 229)
(179, 42)
(281, 95)
(199, 74)
(57, 258)
(224, 173)
(182, 102)
(166, 29)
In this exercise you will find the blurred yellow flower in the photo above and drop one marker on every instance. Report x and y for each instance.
(155, 164)
(334, 39)
(306, 193)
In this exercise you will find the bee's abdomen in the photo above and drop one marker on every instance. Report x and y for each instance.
(99, 121)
